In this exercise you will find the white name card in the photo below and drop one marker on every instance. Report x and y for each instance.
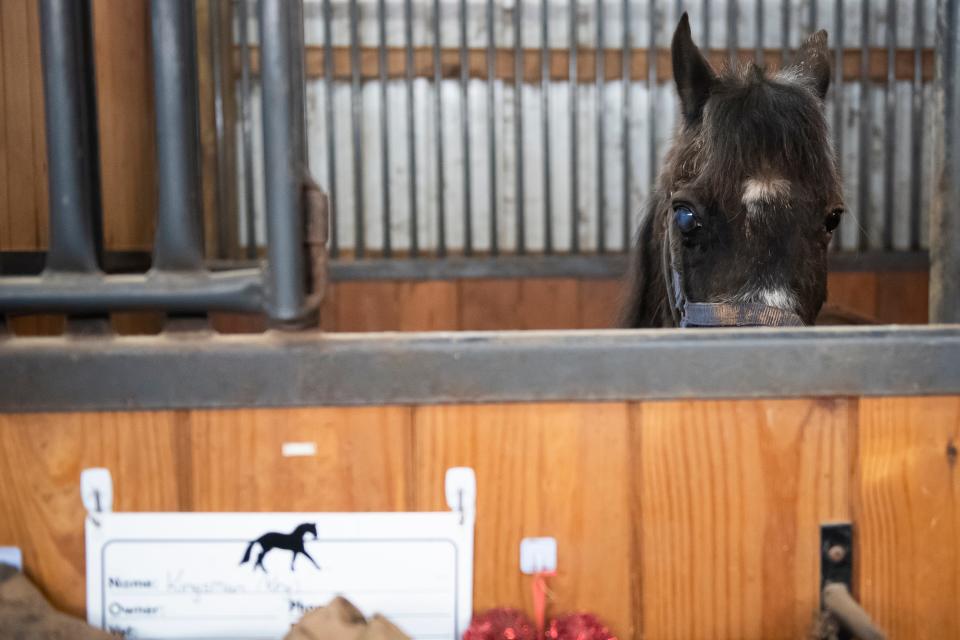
(253, 575)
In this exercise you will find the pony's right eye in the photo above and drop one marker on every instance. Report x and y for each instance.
(685, 219)
(833, 220)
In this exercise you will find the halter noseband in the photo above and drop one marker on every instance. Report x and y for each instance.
(719, 314)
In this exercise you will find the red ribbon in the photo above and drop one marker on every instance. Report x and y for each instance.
(539, 588)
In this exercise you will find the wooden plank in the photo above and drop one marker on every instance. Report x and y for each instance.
(559, 63)
(853, 290)
(907, 509)
(20, 120)
(903, 297)
(599, 303)
(396, 306)
(41, 457)
(6, 221)
(489, 304)
(137, 323)
(362, 460)
(549, 303)
(38, 131)
(126, 115)
(37, 324)
(729, 497)
(552, 470)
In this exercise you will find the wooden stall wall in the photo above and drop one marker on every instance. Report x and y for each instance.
(674, 519)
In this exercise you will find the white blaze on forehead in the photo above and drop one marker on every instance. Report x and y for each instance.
(765, 190)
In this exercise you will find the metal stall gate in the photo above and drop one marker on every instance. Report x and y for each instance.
(178, 281)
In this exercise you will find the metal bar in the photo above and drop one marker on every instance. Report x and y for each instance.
(491, 125)
(330, 124)
(733, 31)
(465, 131)
(916, 125)
(545, 109)
(438, 119)
(518, 123)
(652, 90)
(224, 218)
(572, 83)
(172, 291)
(890, 124)
(384, 138)
(785, 28)
(944, 221)
(179, 234)
(599, 115)
(284, 156)
(866, 124)
(760, 27)
(411, 126)
(72, 157)
(274, 370)
(356, 129)
(626, 72)
(812, 16)
(706, 22)
(838, 91)
(246, 123)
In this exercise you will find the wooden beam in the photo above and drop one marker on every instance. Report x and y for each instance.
(559, 63)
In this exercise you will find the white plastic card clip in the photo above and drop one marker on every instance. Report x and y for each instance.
(461, 489)
(96, 491)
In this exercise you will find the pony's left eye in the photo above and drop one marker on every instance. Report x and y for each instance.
(833, 220)
(685, 219)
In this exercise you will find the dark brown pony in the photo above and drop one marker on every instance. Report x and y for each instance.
(737, 228)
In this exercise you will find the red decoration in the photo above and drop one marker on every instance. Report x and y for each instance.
(578, 626)
(501, 624)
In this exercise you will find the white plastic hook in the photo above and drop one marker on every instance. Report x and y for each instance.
(96, 491)
(461, 490)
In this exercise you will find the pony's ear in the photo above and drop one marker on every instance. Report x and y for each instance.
(812, 63)
(692, 72)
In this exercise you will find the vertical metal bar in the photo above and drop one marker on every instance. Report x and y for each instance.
(518, 122)
(281, 46)
(465, 132)
(627, 80)
(330, 124)
(356, 128)
(491, 125)
(545, 109)
(574, 130)
(944, 221)
(785, 32)
(890, 124)
(411, 127)
(599, 82)
(179, 234)
(838, 91)
(72, 157)
(812, 16)
(652, 90)
(224, 240)
(438, 119)
(706, 24)
(384, 139)
(758, 49)
(916, 125)
(866, 124)
(733, 32)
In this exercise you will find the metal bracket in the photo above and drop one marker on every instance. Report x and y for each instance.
(836, 585)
